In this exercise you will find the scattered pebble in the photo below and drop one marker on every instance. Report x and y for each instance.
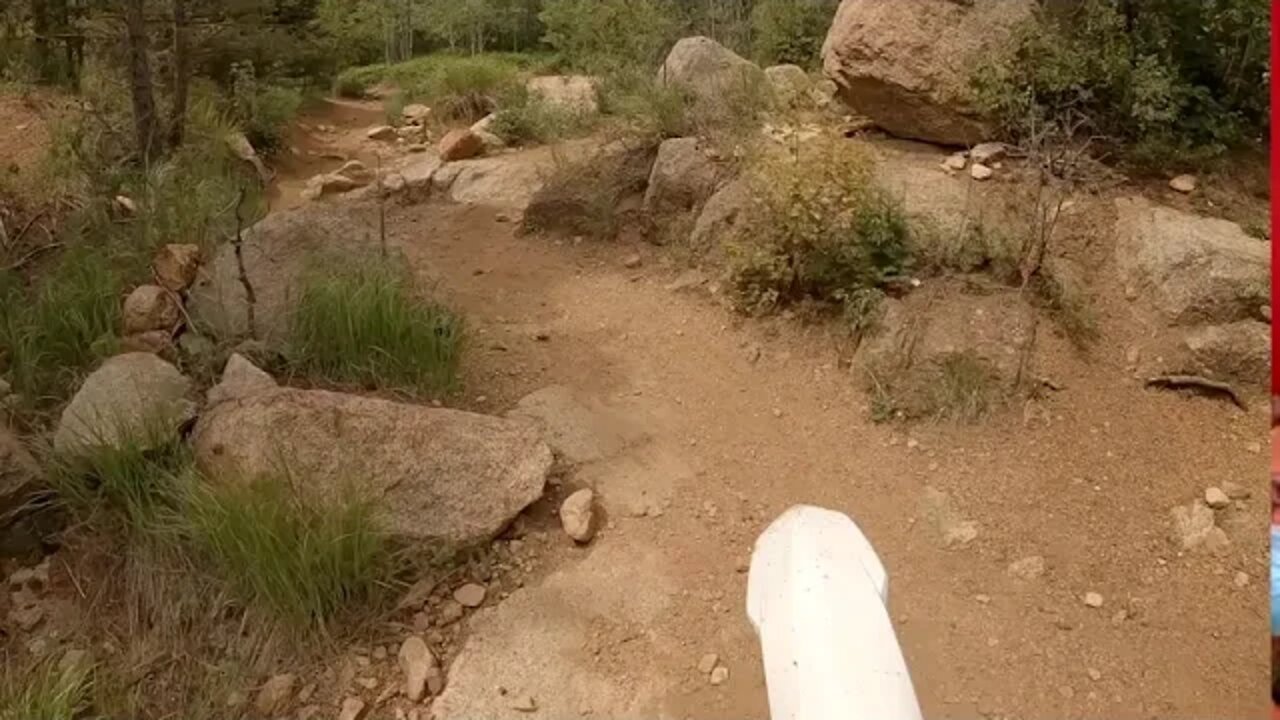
(707, 663)
(306, 692)
(982, 599)
(719, 675)
(632, 261)
(380, 653)
(1234, 491)
(416, 662)
(777, 412)
(1216, 498)
(752, 353)
(274, 694)
(1183, 183)
(1028, 568)
(1242, 579)
(1119, 617)
(1094, 674)
(978, 171)
(1254, 447)
(542, 335)
(525, 703)
(470, 595)
(956, 161)
(1093, 599)
(577, 515)
(912, 443)
(352, 709)
(367, 683)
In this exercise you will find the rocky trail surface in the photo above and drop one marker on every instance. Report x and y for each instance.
(1034, 566)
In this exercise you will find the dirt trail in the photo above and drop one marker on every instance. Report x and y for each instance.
(694, 446)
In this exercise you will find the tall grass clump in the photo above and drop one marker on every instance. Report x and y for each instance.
(364, 325)
(302, 561)
(820, 230)
(45, 691)
(137, 479)
(957, 386)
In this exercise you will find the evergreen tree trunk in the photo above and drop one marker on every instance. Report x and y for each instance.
(144, 102)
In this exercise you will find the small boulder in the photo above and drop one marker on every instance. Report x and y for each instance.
(175, 266)
(393, 182)
(708, 70)
(470, 595)
(460, 144)
(135, 397)
(1195, 270)
(415, 113)
(240, 379)
(150, 307)
(1183, 183)
(574, 93)
(955, 161)
(681, 179)
(719, 675)
(791, 85)
(1236, 351)
(273, 696)
(417, 664)
(577, 515)
(978, 171)
(988, 152)
(381, 132)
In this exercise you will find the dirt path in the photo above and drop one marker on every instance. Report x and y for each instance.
(697, 428)
(695, 449)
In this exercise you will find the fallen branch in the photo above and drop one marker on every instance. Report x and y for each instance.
(1178, 382)
(20, 262)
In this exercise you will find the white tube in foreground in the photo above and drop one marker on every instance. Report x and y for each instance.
(817, 596)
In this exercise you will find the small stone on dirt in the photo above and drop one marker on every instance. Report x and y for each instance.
(450, 611)
(525, 703)
(1094, 674)
(1194, 527)
(1028, 568)
(274, 694)
(956, 161)
(150, 307)
(1241, 579)
(1234, 491)
(470, 595)
(632, 261)
(415, 112)
(1183, 183)
(175, 266)
(978, 171)
(576, 515)
(460, 144)
(988, 152)
(416, 662)
(707, 663)
(1254, 447)
(1216, 498)
(542, 335)
(307, 692)
(352, 709)
(1093, 599)
(368, 683)
(719, 675)
(381, 132)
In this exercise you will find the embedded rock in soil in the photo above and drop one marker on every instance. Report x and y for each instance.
(1238, 351)
(1194, 528)
(135, 398)
(708, 70)
(417, 663)
(460, 144)
(430, 473)
(681, 178)
(240, 379)
(175, 266)
(1193, 269)
(790, 83)
(577, 515)
(907, 64)
(150, 307)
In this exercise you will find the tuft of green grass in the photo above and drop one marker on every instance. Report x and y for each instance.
(463, 88)
(46, 691)
(1067, 306)
(142, 485)
(364, 325)
(523, 118)
(302, 561)
(961, 386)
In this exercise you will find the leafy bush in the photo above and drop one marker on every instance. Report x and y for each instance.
(1159, 78)
(787, 31)
(362, 324)
(820, 230)
(302, 561)
(608, 35)
(263, 111)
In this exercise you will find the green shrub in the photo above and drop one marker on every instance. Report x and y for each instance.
(362, 324)
(523, 117)
(608, 35)
(787, 31)
(302, 561)
(456, 87)
(651, 108)
(1159, 79)
(262, 110)
(820, 229)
